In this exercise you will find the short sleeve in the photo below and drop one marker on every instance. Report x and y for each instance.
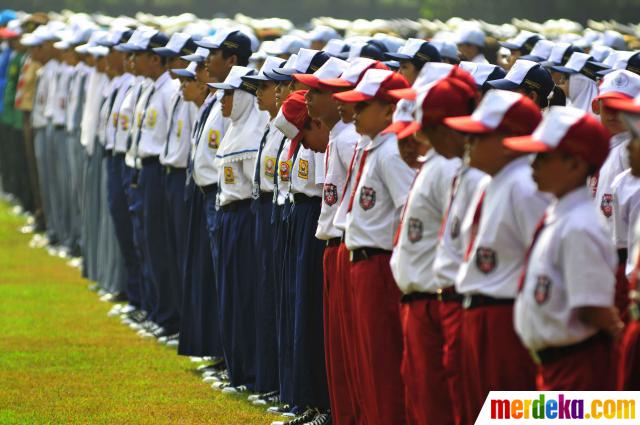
(318, 158)
(397, 175)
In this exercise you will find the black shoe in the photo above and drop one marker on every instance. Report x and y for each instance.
(308, 416)
(320, 419)
(160, 332)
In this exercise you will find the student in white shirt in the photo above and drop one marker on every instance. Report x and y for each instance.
(565, 313)
(496, 233)
(379, 191)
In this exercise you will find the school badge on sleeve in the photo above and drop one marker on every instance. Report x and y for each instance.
(303, 169)
(606, 205)
(269, 166)
(414, 229)
(229, 178)
(367, 198)
(213, 138)
(124, 122)
(285, 170)
(486, 260)
(152, 118)
(541, 292)
(330, 192)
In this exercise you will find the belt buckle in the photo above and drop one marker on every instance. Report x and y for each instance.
(466, 302)
(365, 256)
(439, 294)
(351, 256)
(535, 357)
(634, 311)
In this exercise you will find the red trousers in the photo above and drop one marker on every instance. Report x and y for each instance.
(378, 340)
(629, 364)
(590, 369)
(431, 365)
(343, 405)
(494, 359)
(622, 292)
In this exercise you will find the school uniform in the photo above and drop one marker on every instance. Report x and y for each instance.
(51, 70)
(380, 190)
(628, 365)
(342, 142)
(427, 396)
(560, 278)
(449, 257)
(151, 141)
(174, 159)
(488, 279)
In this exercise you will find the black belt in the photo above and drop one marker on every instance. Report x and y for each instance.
(108, 152)
(361, 254)
(150, 160)
(265, 197)
(118, 155)
(334, 242)
(473, 301)
(299, 198)
(170, 170)
(442, 295)
(553, 354)
(622, 256)
(235, 205)
(208, 189)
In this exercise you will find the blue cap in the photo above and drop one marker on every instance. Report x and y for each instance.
(416, 50)
(235, 41)
(526, 74)
(523, 42)
(180, 44)
(308, 62)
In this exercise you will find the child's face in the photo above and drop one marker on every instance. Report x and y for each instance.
(547, 166)
(227, 103)
(409, 71)
(486, 152)
(177, 63)
(217, 66)
(611, 119)
(320, 104)
(316, 137)
(346, 111)
(445, 141)
(513, 57)
(410, 149)
(633, 148)
(468, 51)
(282, 91)
(266, 95)
(372, 117)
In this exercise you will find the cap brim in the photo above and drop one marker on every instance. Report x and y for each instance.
(183, 73)
(502, 84)
(624, 105)
(604, 72)
(510, 46)
(308, 80)
(532, 58)
(255, 78)
(397, 57)
(286, 72)
(352, 96)
(222, 86)
(525, 144)
(467, 124)
(408, 93)
(564, 70)
(403, 129)
(164, 52)
(193, 58)
(277, 77)
(392, 64)
(336, 84)
(126, 48)
(206, 44)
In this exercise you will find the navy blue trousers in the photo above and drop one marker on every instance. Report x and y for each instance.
(303, 292)
(199, 330)
(236, 280)
(119, 209)
(163, 276)
(136, 209)
(176, 226)
(266, 336)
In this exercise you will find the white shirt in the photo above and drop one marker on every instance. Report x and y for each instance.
(413, 256)
(307, 175)
(182, 116)
(76, 94)
(61, 97)
(615, 163)
(572, 265)
(205, 171)
(340, 219)
(125, 113)
(451, 249)
(51, 99)
(156, 118)
(124, 82)
(511, 210)
(284, 173)
(236, 181)
(380, 194)
(103, 119)
(45, 78)
(90, 115)
(342, 142)
(479, 58)
(131, 158)
(626, 210)
(269, 158)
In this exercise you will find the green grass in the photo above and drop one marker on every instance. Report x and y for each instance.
(62, 360)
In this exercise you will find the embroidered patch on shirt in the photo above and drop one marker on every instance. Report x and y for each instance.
(414, 229)
(269, 166)
(330, 193)
(303, 169)
(179, 128)
(367, 198)
(486, 259)
(213, 138)
(229, 178)
(606, 205)
(114, 119)
(152, 118)
(285, 170)
(124, 122)
(543, 286)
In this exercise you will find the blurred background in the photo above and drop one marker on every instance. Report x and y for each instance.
(300, 11)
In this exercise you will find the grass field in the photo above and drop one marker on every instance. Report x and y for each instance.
(63, 361)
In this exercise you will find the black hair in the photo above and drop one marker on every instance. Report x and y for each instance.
(243, 57)
(558, 98)
(541, 101)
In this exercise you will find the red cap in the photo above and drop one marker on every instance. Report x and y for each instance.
(7, 33)
(499, 110)
(332, 68)
(449, 97)
(619, 85)
(292, 117)
(569, 130)
(375, 84)
(352, 75)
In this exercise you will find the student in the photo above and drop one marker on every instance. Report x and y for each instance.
(564, 312)
(413, 56)
(496, 233)
(380, 188)
(520, 45)
(581, 74)
(236, 282)
(430, 310)
(528, 78)
(471, 44)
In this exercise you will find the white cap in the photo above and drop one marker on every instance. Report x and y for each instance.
(519, 71)
(620, 81)
(430, 72)
(335, 46)
(332, 68)
(471, 35)
(355, 69)
(233, 80)
(447, 49)
(287, 44)
(323, 33)
(542, 49)
(494, 106)
(614, 39)
(600, 52)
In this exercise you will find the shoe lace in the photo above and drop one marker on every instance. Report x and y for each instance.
(321, 419)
